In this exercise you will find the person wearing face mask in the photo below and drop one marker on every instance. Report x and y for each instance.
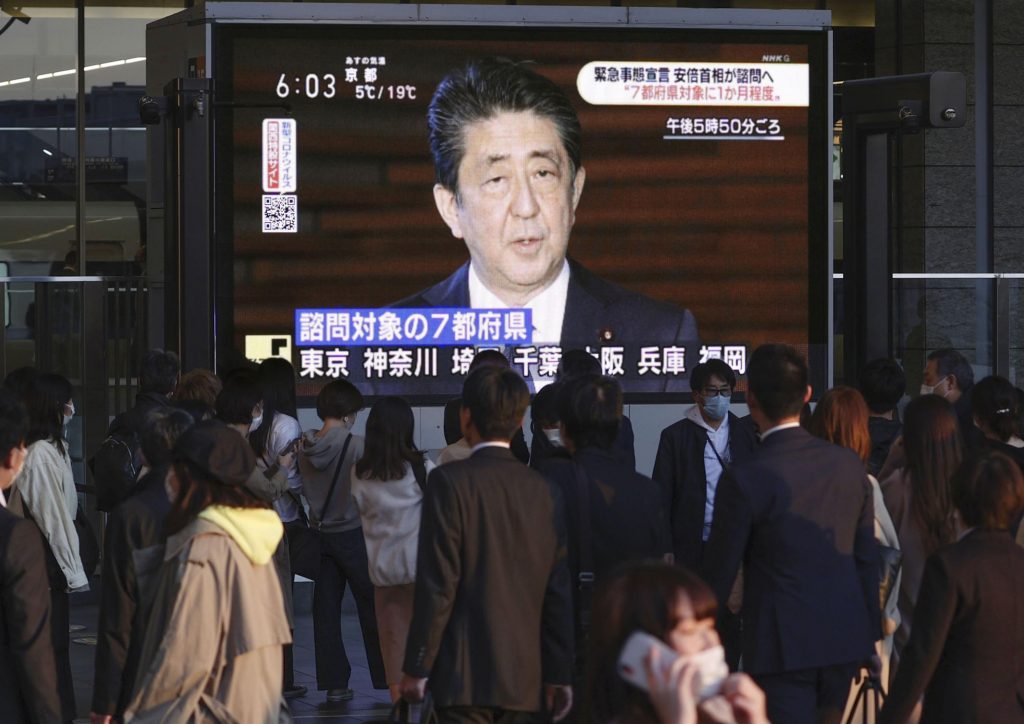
(547, 438)
(28, 674)
(612, 513)
(326, 459)
(45, 493)
(692, 454)
(675, 606)
(240, 405)
(948, 374)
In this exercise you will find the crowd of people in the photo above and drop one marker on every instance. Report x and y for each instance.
(879, 542)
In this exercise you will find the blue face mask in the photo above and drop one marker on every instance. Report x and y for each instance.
(716, 407)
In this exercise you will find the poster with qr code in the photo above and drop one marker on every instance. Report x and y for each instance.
(280, 214)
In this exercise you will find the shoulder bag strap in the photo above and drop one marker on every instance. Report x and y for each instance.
(419, 470)
(714, 449)
(334, 481)
(585, 580)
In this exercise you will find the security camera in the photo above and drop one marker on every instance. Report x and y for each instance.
(152, 109)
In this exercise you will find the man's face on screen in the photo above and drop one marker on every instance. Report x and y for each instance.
(517, 203)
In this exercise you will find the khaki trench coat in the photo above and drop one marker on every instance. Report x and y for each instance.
(213, 645)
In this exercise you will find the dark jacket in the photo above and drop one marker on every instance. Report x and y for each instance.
(626, 520)
(126, 427)
(681, 478)
(965, 649)
(135, 534)
(800, 516)
(492, 615)
(597, 313)
(134, 418)
(883, 433)
(28, 674)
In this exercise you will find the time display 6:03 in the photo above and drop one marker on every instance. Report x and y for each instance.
(311, 85)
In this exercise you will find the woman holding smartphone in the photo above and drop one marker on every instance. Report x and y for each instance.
(678, 609)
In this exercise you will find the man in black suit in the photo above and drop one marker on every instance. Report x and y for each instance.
(947, 373)
(799, 515)
(28, 674)
(624, 514)
(506, 147)
(491, 575)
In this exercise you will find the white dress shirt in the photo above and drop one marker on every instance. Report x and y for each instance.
(783, 426)
(490, 443)
(718, 442)
(548, 306)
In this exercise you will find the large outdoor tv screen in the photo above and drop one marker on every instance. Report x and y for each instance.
(395, 198)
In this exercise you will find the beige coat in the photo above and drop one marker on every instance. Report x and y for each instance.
(213, 645)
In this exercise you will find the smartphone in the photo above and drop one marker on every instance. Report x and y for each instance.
(632, 666)
(710, 663)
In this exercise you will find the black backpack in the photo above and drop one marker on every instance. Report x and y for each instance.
(115, 467)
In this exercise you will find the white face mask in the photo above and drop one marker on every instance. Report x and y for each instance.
(554, 436)
(255, 424)
(711, 671)
(21, 466)
(931, 389)
(67, 417)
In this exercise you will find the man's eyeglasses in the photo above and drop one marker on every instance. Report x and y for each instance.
(716, 391)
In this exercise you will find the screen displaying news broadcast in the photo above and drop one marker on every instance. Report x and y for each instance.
(400, 198)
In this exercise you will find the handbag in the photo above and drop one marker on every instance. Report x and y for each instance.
(401, 712)
(304, 547)
(88, 544)
(870, 685)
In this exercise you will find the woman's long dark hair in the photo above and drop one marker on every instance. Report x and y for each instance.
(639, 597)
(197, 490)
(934, 449)
(389, 441)
(47, 395)
(277, 379)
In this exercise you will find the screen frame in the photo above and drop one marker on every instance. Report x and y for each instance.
(810, 27)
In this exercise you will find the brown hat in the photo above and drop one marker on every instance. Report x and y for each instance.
(217, 450)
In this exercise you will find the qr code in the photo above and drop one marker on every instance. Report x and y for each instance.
(280, 214)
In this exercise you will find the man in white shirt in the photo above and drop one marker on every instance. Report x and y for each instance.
(692, 455)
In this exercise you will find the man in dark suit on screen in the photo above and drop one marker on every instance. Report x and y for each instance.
(491, 575)
(506, 147)
(28, 674)
(799, 515)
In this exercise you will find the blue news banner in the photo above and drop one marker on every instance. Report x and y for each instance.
(435, 327)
